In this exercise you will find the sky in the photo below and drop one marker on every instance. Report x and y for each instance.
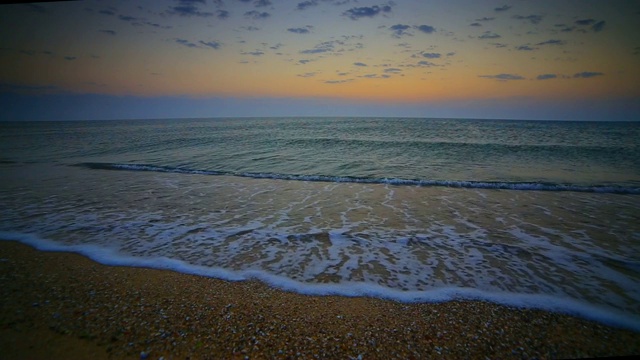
(507, 59)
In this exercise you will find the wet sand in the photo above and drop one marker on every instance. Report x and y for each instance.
(65, 306)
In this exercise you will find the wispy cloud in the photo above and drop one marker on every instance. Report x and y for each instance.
(189, 10)
(253, 53)
(546, 76)
(200, 44)
(400, 30)
(426, 29)
(489, 35)
(585, 22)
(587, 74)
(212, 44)
(186, 43)
(366, 11)
(534, 19)
(359, 64)
(108, 32)
(524, 48)
(261, 3)
(323, 47)
(502, 77)
(337, 81)
(301, 30)
(502, 8)
(306, 4)
(127, 18)
(256, 15)
(485, 19)
(376, 76)
(307, 75)
(551, 42)
(426, 63)
(431, 55)
(109, 12)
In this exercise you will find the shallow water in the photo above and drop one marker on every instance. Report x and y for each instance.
(571, 251)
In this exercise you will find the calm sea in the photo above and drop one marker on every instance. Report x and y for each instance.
(526, 213)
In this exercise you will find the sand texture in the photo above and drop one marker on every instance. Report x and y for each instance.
(65, 306)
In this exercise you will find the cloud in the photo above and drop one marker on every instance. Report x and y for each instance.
(534, 19)
(70, 58)
(546, 76)
(261, 3)
(597, 27)
(485, 19)
(107, 12)
(426, 29)
(188, 9)
(127, 18)
(337, 81)
(359, 64)
(301, 30)
(366, 11)
(211, 44)
(376, 76)
(502, 8)
(585, 22)
(186, 43)
(587, 74)
(307, 75)
(393, 70)
(253, 53)
(426, 63)
(475, 24)
(330, 46)
(502, 77)
(489, 35)
(320, 48)
(399, 30)
(525, 48)
(306, 4)
(431, 55)
(257, 15)
(304, 61)
(222, 14)
(109, 32)
(552, 42)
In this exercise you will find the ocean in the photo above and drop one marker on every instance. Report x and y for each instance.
(537, 214)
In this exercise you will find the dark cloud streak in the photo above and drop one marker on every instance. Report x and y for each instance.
(502, 77)
(366, 11)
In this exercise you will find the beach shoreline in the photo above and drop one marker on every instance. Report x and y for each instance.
(64, 305)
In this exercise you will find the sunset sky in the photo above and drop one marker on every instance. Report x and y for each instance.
(509, 59)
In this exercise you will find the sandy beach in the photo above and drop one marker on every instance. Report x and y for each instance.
(62, 306)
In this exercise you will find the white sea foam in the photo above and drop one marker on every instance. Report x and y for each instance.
(109, 256)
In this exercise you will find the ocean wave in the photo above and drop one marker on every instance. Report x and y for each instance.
(468, 184)
(557, 304)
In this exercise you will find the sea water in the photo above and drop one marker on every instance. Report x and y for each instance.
(526, 213)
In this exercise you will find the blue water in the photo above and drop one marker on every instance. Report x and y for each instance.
(527, 213)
